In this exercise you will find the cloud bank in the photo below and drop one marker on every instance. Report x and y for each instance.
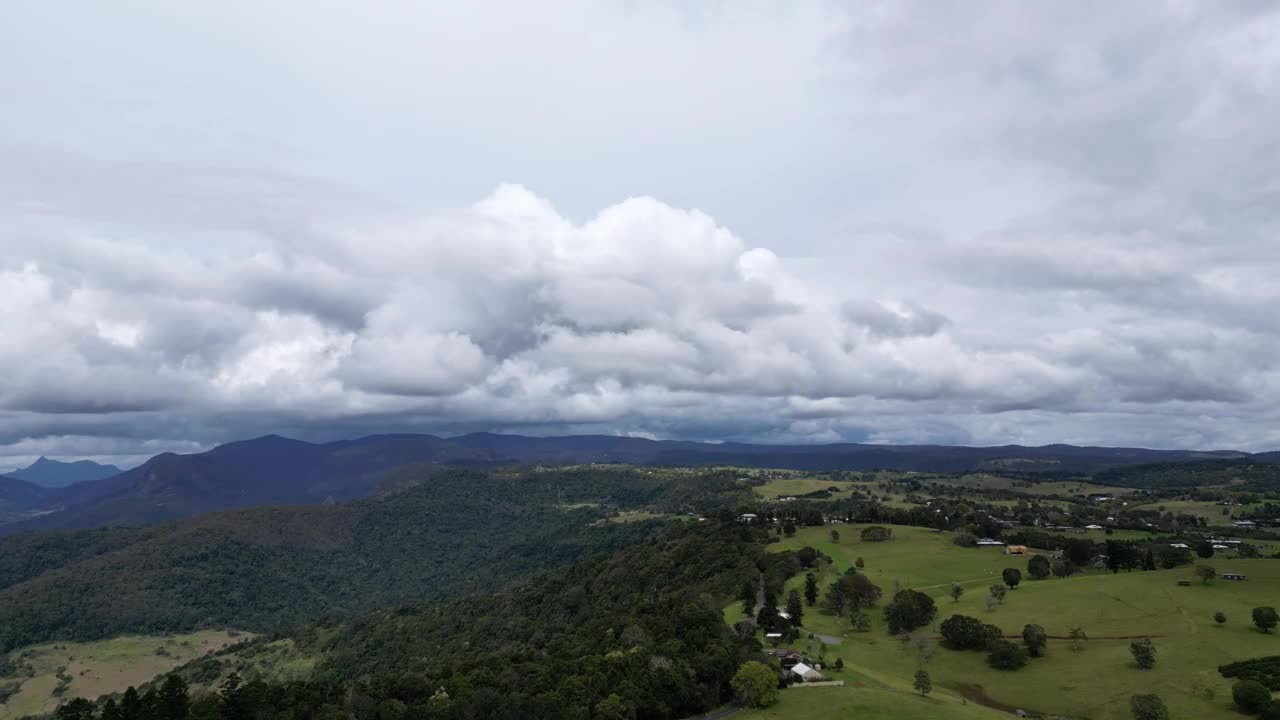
(946, 223)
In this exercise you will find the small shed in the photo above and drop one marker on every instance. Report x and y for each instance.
(1016, 550)
(1234, 576)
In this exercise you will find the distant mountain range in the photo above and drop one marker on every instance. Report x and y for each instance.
(54, 474)
(273, 470)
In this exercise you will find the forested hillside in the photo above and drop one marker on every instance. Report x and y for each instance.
(638, 633)
(1247, 474)
(451, 533)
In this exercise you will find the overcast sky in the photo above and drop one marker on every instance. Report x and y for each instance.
(976, 223)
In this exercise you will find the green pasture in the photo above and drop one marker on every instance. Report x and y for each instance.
(1095, 682)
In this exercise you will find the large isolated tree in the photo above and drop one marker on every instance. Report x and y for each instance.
(1011, 577)
(1038, 567)
(1265, 618)
(1206, 572)
(909, 610)
(1144, 653)
(923, 683)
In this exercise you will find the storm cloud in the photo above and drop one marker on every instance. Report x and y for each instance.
(960, 223)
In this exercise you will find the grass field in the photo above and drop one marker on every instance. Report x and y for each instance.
(101, 668)
(1210, 511)
(775, 489)
(1095, 682)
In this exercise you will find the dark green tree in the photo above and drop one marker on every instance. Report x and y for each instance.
(1250, 696)
(748, 596)
(131, 704)
(795, 608)
(1011, 577)
(1148, 560)
(1220, 618)
(922, 683)
(909, 610)
(961, 632)
(1005, 655)
(1206, 572)
(1035, 638)
(1079, 551)
(1144, 653)
(172, 702)
(811, 588)
(1265, 618)
(1204, 549)
(76, 709)
(1038, 567)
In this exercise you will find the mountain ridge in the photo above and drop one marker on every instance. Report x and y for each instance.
(274, 470)
(58, 474)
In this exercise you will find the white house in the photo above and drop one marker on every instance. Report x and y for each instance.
(747, 517)
(1184, 546)
(1092, 527)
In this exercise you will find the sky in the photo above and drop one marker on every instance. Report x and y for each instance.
(797, 222)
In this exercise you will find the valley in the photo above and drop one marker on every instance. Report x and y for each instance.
(546, 591)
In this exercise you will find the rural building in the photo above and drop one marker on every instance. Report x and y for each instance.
(806, 673)
(1016, 550)
(1244, 523)
(1182, 546)
(1092, 527)
(1234, 576)
(747, 517)
(989, 542)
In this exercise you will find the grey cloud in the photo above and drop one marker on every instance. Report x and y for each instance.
(957, 222)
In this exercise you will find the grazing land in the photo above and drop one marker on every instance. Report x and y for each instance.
(1094, 682)
(92, 669)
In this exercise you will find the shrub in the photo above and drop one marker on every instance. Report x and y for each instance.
(876, 533)
(1148, 707)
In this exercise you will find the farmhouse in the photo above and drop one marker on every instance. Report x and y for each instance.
(1016, 550)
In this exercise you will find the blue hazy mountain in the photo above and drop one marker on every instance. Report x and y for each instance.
(54, 474)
